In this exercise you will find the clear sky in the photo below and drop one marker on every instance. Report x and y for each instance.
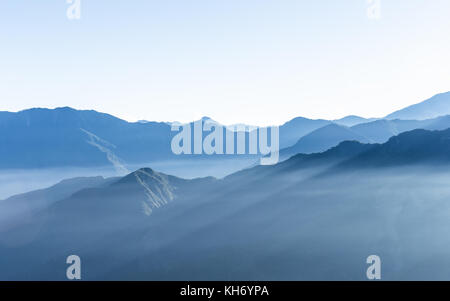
(252, 61)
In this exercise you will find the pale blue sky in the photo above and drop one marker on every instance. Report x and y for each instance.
(254, 61)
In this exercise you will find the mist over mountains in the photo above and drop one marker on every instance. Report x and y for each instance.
(305, 218)
(344, 189)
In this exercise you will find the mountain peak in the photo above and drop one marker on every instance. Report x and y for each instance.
(155, 186)
(66, 108)
(41, 109)
(141, 171)
(352, 120)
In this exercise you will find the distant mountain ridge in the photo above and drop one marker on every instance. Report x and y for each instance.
(409, 148)
(436, 106)
(40, 138)
(65, 137)
(378, 131)
(352, 120)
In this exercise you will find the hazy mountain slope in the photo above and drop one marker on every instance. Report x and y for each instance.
(17, 210)
(381, 130)
(437, 105)
(305, 163)
(413, 147)
(321, 140)
(298, 127)
(439, 123)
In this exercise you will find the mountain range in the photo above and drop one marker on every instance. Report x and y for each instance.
(65, 137)
(378, 131)
(343, 190)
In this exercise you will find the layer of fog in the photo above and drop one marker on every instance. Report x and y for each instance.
(283, 226)
(13, 182)
(192, 168)
(19, 181)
